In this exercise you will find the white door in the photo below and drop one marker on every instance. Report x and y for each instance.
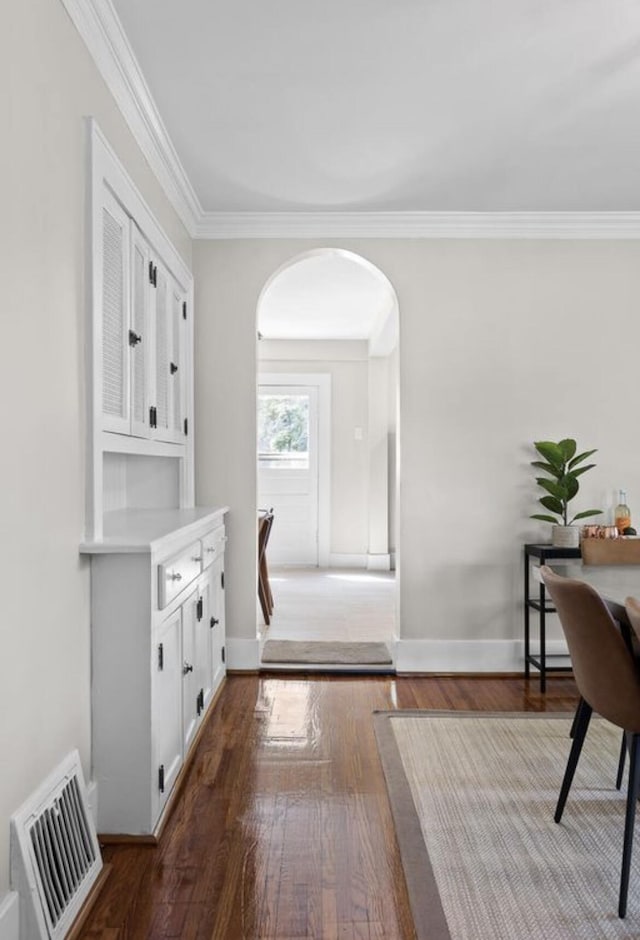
(288, 470)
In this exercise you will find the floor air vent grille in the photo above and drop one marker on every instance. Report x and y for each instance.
(55, 853)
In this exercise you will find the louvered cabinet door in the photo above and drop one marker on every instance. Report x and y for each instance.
(177, 366)
(162, 354)
(140, 332)
(114, 320)
(168, 370)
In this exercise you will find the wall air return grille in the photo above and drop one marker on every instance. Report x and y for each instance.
(55, 857)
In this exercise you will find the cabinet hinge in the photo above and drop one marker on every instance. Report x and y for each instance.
(160, 656)
(223, 655)
(184, 309)
(161, 778)
(151, 273)
(213, 622)
(186, 425)
(222, 580)
(134, 338)
(200, 701)
(199, 610)
(153, 417)
(173, 368)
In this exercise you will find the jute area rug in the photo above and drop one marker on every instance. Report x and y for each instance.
(326, 653)
(473, 797)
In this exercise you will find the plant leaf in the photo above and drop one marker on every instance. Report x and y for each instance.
(545, 518)
(550, 502)
(568, 447)
(546, 467)
(570, 484)
(586, 513)
(576, 460)
(556, 489)
(551, 453)
(580, 470)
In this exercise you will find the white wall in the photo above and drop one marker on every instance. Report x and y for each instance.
(49, 85)
(501, 343)
(347, 364)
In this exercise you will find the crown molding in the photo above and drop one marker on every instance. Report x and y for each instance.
(101, 29)
(508, 225)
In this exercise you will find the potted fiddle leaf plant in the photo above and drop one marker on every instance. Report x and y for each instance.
(562, 467)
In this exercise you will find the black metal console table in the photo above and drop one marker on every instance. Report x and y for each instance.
(543, 554)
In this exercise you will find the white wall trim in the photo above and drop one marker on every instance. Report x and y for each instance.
(10, 916)
(507, 225)
(337, 560)
(243, 655)
(421, 656)
(101, 29)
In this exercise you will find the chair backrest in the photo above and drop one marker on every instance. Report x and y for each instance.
(604, 669)
(632, 606)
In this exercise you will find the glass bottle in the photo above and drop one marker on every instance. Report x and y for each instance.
(622, 513)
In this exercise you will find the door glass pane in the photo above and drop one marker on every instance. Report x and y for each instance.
(283, 431)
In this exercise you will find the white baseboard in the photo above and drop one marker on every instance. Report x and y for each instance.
(458, 656)
(243, 655)
(10, 917)
(417, 656)
(347, 561)
(379, 562)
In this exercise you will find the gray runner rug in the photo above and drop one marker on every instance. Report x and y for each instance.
(326, 653)
(473, 797)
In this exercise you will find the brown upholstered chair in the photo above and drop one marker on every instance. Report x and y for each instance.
(607, 678)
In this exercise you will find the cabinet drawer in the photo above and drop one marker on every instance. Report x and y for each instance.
(213, 546)
(178, 572)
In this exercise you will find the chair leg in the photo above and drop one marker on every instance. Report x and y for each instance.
(581, 725)
(621, 762)
(575, 717)
(630, 817)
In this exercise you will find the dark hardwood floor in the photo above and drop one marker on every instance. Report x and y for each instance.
(282, 830)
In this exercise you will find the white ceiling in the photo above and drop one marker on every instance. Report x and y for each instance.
(329, 295)
(371, 105)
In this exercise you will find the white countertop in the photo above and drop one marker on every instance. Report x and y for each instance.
(145, 530)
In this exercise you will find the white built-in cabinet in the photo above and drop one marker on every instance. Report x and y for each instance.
(157, 560)
(158, 655)
(142, 331)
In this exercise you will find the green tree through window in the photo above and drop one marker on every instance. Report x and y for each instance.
(283, 430)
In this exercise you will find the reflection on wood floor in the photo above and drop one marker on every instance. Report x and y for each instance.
(282, 830)
(347, 604)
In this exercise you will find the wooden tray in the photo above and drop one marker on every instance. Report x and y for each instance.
(610, 551)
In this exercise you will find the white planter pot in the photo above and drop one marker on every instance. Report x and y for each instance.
(565, 536)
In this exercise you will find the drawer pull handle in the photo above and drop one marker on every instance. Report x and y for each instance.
(197, 558)
(187, 668)
(174, 576)
(209, 549)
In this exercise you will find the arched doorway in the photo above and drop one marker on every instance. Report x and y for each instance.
(328, 422)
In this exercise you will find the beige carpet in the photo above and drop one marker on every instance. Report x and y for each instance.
(327, 653)
(473, 798)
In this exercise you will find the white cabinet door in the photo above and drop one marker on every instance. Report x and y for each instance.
(140, 332)
(166, 690)
(168, 364)
(190, 687)
(112, 264)
(217, 623)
